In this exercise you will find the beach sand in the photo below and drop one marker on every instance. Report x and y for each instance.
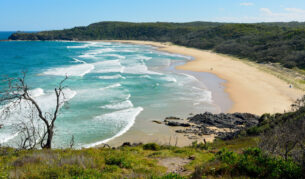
(250, 89)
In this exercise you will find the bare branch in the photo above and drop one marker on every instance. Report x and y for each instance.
(31, 133)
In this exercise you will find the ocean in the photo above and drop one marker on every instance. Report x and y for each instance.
(5, 34)
(110, 86)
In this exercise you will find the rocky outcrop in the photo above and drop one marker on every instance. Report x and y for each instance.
(224, 126)
(232, 121)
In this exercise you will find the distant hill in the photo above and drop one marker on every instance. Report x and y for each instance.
(277, 42)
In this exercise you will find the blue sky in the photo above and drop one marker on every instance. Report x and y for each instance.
(59, 14)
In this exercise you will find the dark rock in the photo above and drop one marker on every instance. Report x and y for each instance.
(236, 122)
(158, 122)
(227, 135)
(126, 144)
(175, 124)
(233, 121)
(172, 118)
(206, 131)
(192, 157)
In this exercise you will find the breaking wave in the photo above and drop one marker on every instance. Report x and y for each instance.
(123, 119)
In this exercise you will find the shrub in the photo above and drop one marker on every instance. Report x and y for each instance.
(253, 131)
(251, 163)
(200, 145)
(120, 160)
(151, 146)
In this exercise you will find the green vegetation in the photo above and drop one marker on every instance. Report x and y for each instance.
(282, 43)
(129, 162)
(251, 163)
(210, 160)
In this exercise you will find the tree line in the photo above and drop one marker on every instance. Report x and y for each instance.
(282, 43)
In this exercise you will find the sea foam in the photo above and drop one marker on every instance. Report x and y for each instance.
(78, 61)
(74, 70)
(123, 119)
(111, 86)
(115, 55)
(139, 68)
(109, 66)
(93, 53)
(6, 137)
(111, 77)
(120, 105)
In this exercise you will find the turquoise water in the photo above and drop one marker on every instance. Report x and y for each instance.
(109, 86)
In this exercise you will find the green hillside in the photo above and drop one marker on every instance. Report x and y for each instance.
(282, 43)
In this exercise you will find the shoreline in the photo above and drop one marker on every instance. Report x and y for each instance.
(250, 89)
(146, 129)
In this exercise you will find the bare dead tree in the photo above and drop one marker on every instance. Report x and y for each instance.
(280, 141)
(72, 142)
(18, 93)
(176, 141)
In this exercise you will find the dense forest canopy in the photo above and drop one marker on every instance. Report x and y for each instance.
(277, 42)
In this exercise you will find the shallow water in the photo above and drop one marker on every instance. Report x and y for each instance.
(109, 85)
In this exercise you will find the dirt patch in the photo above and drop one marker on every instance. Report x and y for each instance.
(175, 165)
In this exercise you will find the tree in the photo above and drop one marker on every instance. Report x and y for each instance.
(17, 95)
(287, 138)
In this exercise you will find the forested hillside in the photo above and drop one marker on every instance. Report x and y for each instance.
(282, 43)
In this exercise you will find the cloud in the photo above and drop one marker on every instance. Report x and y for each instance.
(266, 11)
(295, 10)
(246, 4)
(288, 14)
(267, 15)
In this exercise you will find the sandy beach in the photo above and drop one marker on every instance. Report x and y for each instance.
(250, 89)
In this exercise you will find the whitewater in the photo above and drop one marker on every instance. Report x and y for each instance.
(110, 86)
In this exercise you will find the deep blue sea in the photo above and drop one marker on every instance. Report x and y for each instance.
(110, 86)
(4, 35)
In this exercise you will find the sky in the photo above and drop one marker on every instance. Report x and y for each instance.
(35, 15)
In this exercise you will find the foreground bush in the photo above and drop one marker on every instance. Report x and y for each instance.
(251, 163)
(151, 146)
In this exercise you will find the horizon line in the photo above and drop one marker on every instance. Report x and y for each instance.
(260, 22)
